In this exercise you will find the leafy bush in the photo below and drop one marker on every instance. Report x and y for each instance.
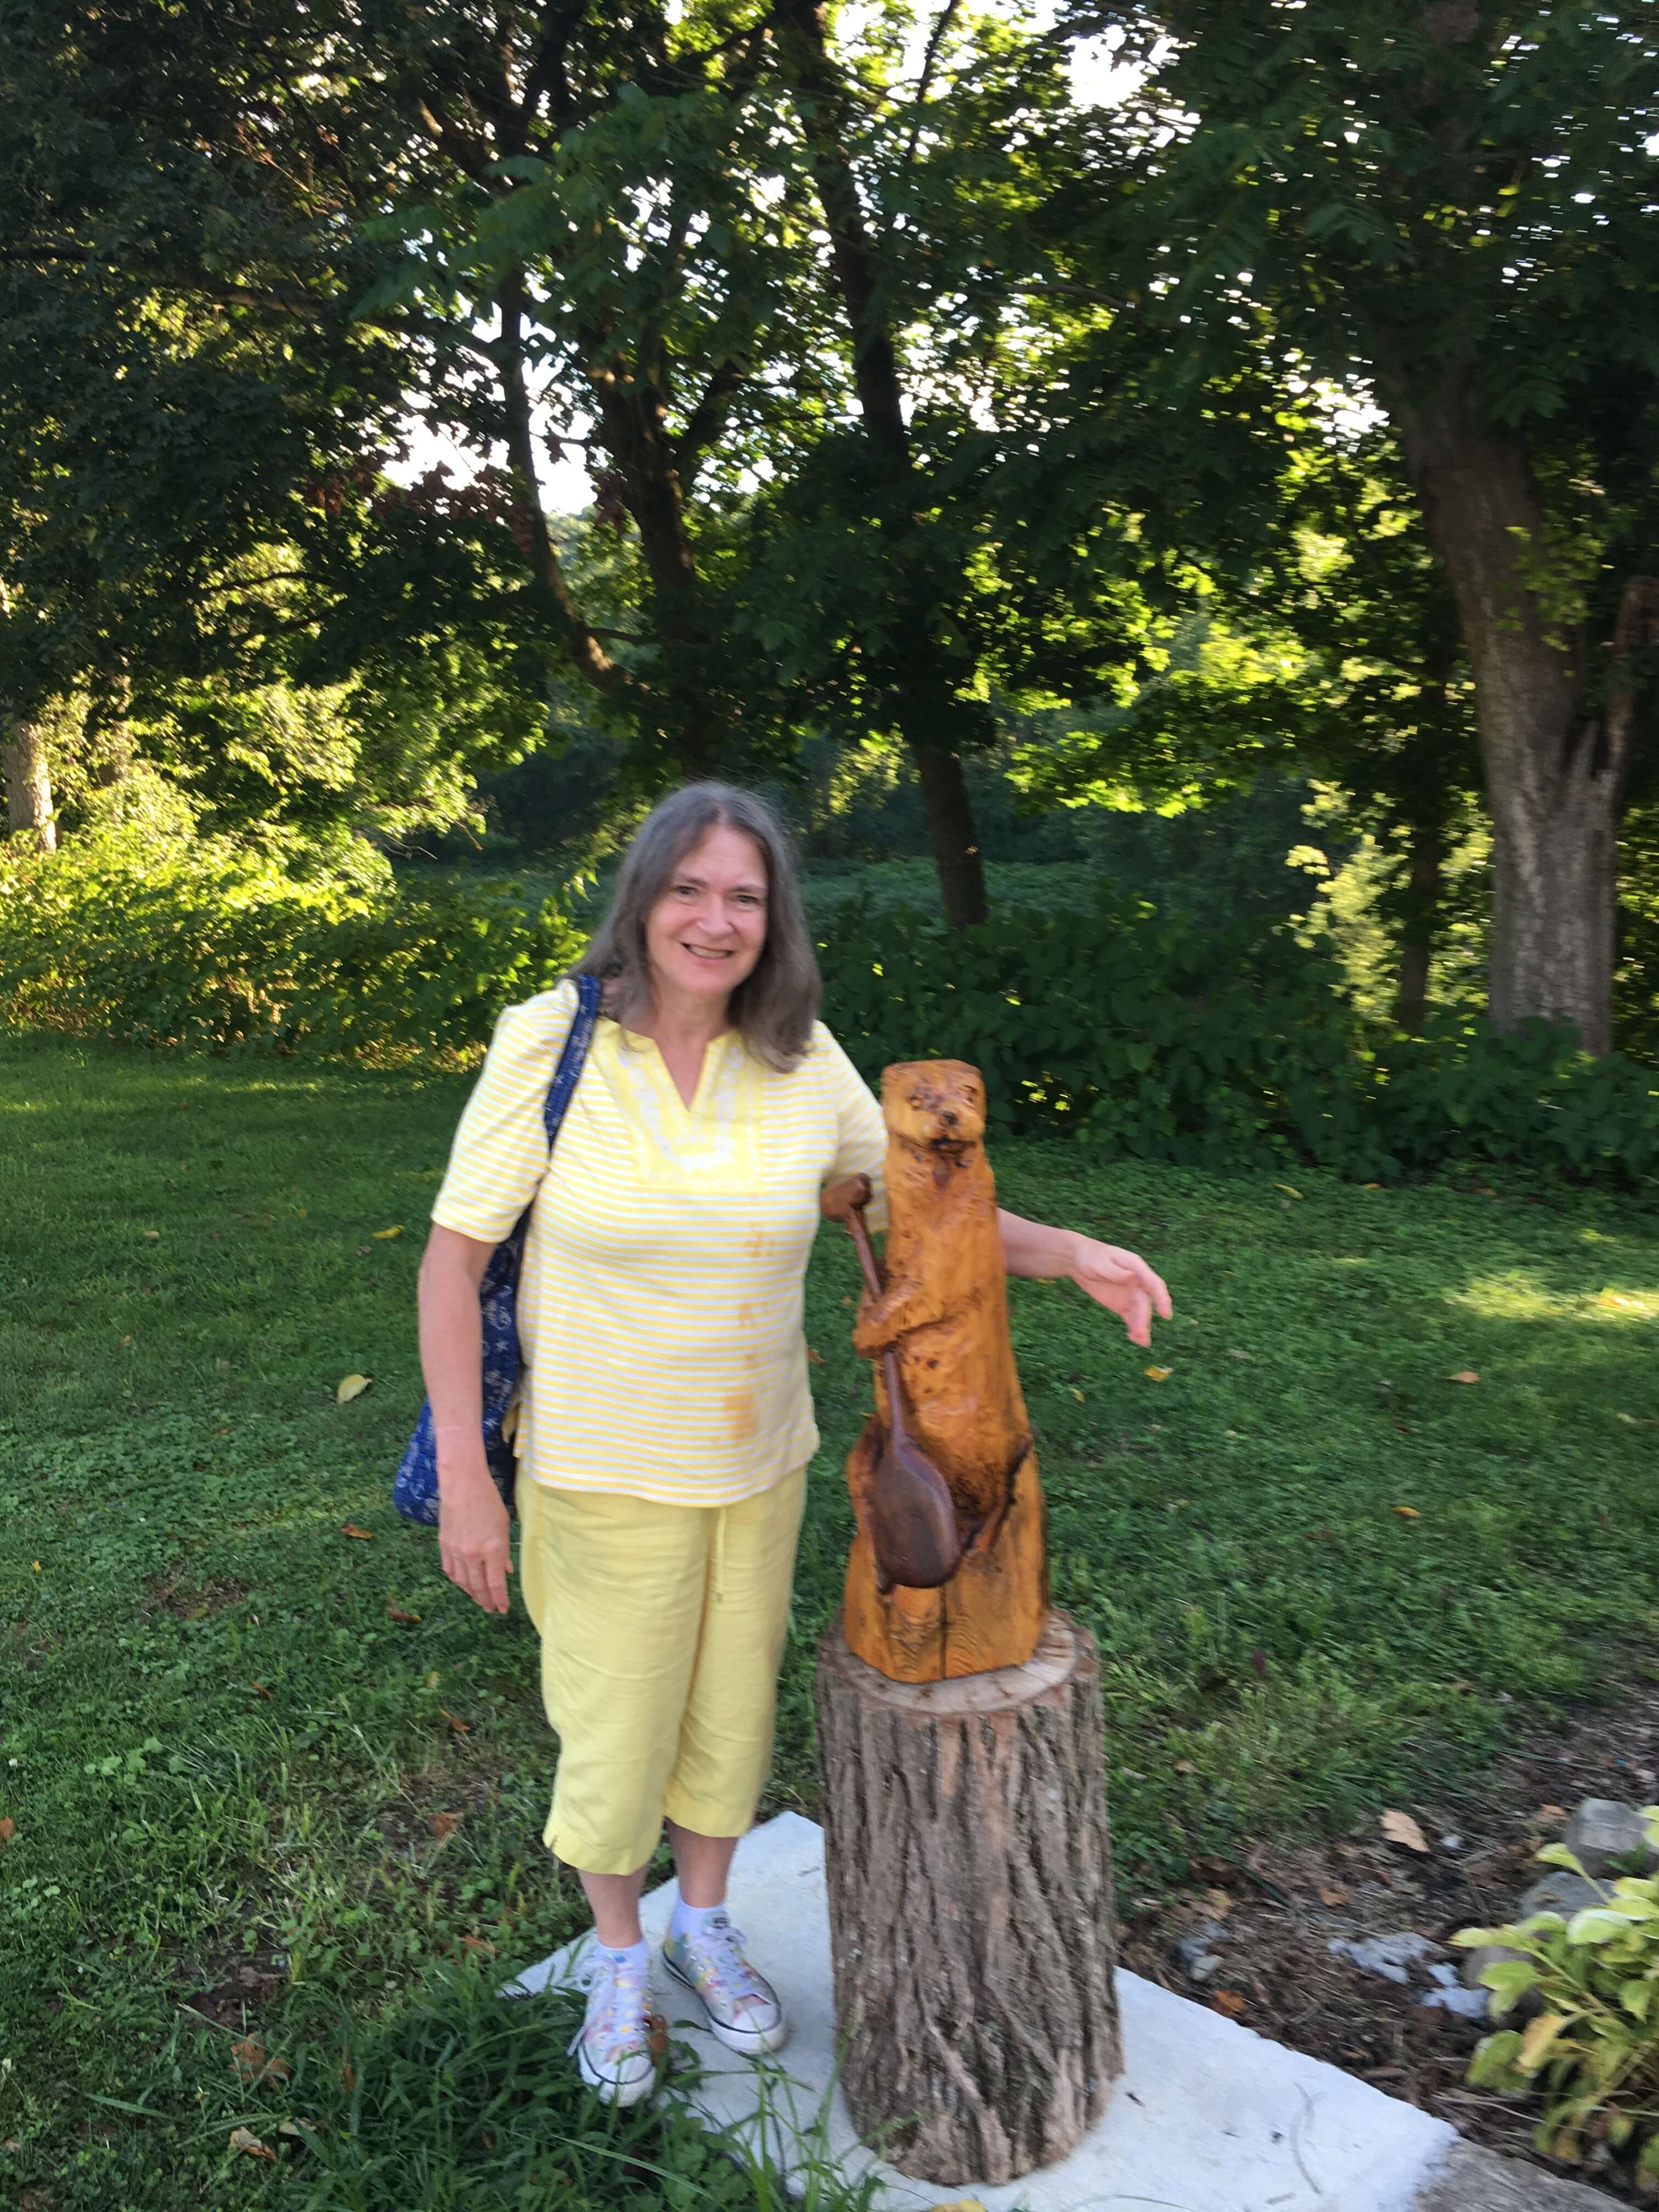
(1153, 1041)
(1145, 1037)
(225, 944)
(1592, 2045)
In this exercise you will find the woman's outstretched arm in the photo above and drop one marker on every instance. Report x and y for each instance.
(1121, 1281)
(472, 1522)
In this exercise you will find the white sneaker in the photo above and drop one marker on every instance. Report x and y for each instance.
(742, 2007)
(614, 2047)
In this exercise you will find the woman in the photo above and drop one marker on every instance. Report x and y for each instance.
(667, 1424)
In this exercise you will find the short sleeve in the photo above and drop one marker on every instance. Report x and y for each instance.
(860, 1131)
(500, 1154)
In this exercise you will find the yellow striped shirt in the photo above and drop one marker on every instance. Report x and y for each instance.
(661, 1302)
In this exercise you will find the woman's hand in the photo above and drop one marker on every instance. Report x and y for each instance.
(473, 1538)
(1123, 1283)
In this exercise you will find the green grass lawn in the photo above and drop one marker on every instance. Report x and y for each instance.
(227, 1763)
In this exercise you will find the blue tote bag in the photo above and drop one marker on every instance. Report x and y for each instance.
(415, 1491)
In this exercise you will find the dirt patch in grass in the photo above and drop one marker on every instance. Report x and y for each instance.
(1252, 1935)
(176, 1593)
(235, 1994)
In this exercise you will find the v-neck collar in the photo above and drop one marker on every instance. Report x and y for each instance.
(663, 1074)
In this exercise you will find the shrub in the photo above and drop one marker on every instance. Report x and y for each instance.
(232, 946)
(1151, 1040)
(1592, 2045)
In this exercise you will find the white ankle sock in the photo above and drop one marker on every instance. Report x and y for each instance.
(691, 1920)
(627, 1954)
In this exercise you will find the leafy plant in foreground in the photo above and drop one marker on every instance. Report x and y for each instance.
(1593, 2046)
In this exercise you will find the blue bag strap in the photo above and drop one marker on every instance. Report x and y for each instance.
(589, 990)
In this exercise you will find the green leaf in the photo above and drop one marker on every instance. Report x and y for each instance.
(1596, 1923)
(1494, 2066)
(1507, 1978)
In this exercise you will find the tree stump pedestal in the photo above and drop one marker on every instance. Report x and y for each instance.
(970, 1907)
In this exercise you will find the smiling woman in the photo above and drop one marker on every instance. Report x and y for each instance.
(665, 1421)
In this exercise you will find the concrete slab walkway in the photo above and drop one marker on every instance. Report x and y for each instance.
(1206, 2117)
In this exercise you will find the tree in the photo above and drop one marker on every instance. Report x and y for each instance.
(1449, 206)
(487, 219)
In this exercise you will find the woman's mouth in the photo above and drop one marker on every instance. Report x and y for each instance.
(705, 952)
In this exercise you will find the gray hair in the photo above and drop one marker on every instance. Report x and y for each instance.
(777, 1004)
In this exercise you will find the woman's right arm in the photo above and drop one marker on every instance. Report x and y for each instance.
(472, 1522)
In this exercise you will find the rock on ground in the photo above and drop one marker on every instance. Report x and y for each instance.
(1602, 1833)
(1475, 2180)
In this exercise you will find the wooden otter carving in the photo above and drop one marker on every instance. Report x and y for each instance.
(945, 1313)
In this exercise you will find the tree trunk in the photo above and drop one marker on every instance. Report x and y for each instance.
(1422, 917)
(924, 706)
(1556, 745)
(971, 1923)
(29, 787)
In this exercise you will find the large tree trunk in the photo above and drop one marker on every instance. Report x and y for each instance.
(28, 786)
(1556, 733)
(970, 1907)
(921, 690)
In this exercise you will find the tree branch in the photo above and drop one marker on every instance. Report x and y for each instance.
(587, 656)
(935, 41)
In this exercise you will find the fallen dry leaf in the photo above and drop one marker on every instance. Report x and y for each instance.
(460, 1727)
(404, 1620)
(814, 1357)
(245, 2139)
(382, 1235)
(260, 1687)
(348, 2075)
(251, 2064)
(1552, 1812)
(1158, 1374)
(1229, 2002)
(1333, 1896)
(1078, 1395)
(1218, 1902)
(1233, 1352)
(121, 1340)
(432, 1680)
(1406, 1512)
(1464, 1375)
(1185, 1766)
(962, 2204)
(1289, 1189)
(1401, 1828)
(152, 1236)
(444, 1824)
(479, 1945)
(8, 1830)
(349, 1387)
(360, 1535)
(1370, 1186)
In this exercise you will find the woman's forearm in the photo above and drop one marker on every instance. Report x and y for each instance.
(451, 1350)
(1032, 1247)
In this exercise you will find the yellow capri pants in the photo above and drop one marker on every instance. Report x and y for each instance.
(662, 1630)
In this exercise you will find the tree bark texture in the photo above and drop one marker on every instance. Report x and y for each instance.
(1554, 738)
(922, 694)
(28, 786)
(970, 1907)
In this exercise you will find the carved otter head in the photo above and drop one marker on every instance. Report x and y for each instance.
(938, 1105)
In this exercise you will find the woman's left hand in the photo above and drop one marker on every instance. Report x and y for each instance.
(1123, 1283)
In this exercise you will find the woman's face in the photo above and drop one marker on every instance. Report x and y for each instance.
(706, 932)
